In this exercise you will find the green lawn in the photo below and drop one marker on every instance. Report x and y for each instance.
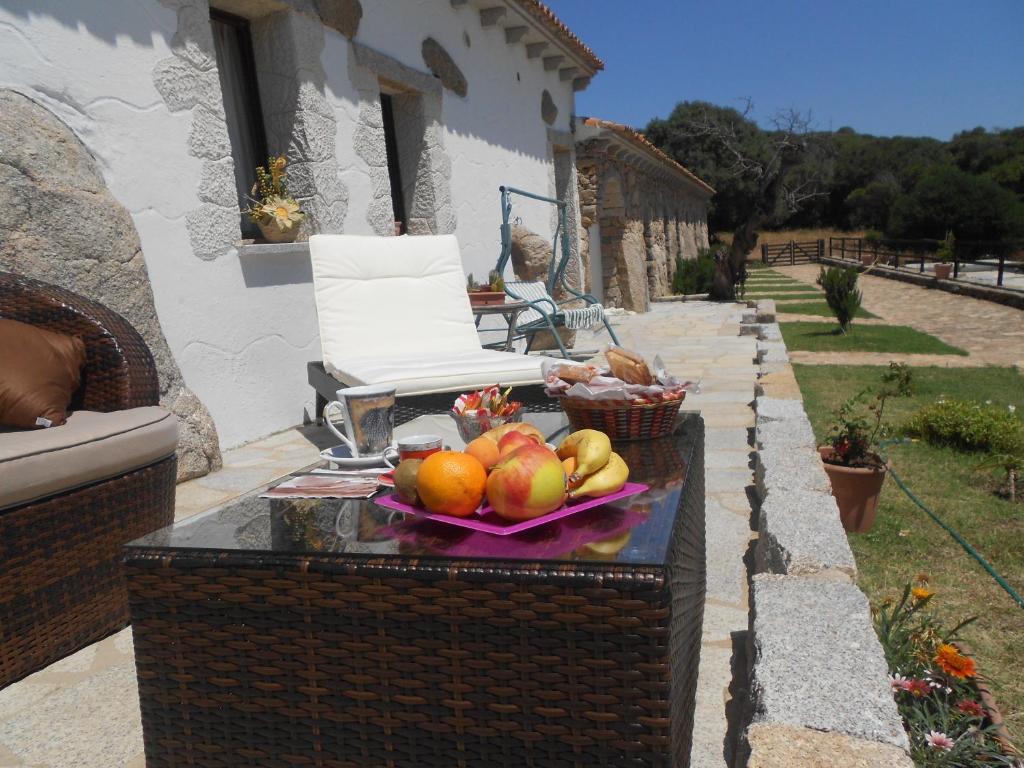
(825, 337)
(776, 286)
(812, 308)
(802, 296)
(769, 289)
(905, 542)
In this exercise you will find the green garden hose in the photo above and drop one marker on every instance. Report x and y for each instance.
(950, 530)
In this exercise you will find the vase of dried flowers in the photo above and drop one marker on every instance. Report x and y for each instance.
(277, 215)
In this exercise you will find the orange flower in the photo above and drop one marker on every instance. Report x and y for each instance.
(921, 593)
(954, 663)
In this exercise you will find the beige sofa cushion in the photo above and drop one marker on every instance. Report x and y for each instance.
(90, 447)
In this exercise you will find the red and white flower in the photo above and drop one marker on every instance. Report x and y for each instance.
(938, 740)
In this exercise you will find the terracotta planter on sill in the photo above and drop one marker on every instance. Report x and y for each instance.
(942, 271)
(272, 233)
(856, 491)
(866, 260)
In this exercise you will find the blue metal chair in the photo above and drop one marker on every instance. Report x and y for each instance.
(545, 313)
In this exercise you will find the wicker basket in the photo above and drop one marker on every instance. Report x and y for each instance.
(622, 419)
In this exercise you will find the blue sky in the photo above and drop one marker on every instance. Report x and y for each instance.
(885, 67)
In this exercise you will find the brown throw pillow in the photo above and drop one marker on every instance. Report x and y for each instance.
(39, 372)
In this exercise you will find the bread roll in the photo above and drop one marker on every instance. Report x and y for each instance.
(575, 373)
(629, 366)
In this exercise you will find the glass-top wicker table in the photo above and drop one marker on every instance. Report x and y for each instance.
(339, 633)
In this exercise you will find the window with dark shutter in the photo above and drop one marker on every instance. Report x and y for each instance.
(236, 66)
(394, 172)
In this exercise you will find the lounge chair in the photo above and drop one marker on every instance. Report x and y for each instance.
(394, 310)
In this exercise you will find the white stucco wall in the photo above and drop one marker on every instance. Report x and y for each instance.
(242, 328)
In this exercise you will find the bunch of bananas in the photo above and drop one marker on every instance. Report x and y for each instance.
(591, 465)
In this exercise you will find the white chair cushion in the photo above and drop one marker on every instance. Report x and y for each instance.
(390, 298)
(394, 310)
(425, 373)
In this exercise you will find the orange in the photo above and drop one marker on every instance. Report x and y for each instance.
(451, 483)
(484, 450)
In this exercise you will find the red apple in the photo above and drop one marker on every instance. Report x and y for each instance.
(527, 483)
(513, 440)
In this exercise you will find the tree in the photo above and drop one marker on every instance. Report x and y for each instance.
(869, 206)
(761, 177)
(996, 154)
(946, 198)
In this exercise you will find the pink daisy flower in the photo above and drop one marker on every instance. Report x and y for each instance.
(938, 740)
(899, 683)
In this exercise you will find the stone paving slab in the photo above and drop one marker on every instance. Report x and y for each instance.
(786, 746)
(884, 358)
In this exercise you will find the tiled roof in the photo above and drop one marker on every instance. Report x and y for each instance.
(635, 137)
(545, 15)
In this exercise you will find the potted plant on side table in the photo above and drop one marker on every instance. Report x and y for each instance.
(271, 208)
(945, 254)
(491, 292)
(851, 460)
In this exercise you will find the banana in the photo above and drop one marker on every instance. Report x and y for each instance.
(609, 479)
(591, 449)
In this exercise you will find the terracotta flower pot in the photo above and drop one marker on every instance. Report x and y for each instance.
(478, 298)
(942, 271)
(867, 260)
(856, 490)
(272, 233)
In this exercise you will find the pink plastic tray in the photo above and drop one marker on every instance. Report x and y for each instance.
(489, 521)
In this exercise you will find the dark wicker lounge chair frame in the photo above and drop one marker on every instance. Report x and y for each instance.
(61, 583)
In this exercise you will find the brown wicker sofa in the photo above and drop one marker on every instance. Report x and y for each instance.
(71, 496)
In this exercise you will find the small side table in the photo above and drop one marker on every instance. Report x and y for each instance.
(510, 310)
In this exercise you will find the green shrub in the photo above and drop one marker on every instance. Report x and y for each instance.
(899, 379)
(947, 248)
(841, 293)
(975, 427)
(694, 275)
(966, 425)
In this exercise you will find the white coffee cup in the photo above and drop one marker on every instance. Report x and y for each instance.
(369, 421)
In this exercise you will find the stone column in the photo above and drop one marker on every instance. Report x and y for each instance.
(632, 267)
(586, 179)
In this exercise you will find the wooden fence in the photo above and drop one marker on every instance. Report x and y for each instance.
(1001, 258)
(793, 252)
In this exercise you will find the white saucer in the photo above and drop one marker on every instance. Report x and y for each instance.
(341, 457)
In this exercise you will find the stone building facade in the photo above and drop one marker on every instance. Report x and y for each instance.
(461, 95)
(639, 211)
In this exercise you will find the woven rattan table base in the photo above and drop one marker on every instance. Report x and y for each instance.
(280, 660)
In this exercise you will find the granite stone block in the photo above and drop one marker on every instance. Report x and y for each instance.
(800, 535)
(817, 661)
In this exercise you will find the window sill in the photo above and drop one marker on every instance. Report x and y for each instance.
(249, 248)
